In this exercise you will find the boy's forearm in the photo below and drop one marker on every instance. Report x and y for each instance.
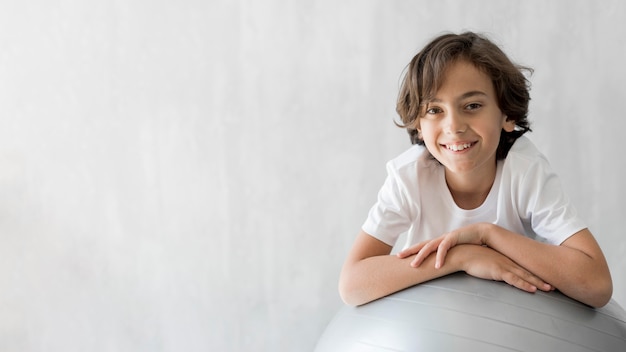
(376, 277)
(577, 274)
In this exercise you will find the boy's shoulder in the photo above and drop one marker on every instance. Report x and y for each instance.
(415, 163)
(523, 154)
(409, 158)
(524, 148)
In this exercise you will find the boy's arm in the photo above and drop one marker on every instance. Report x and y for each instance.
(577, 267)
(370, 272)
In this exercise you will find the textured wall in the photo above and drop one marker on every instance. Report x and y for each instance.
(189, 175)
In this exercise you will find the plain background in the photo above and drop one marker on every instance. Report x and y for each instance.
(189, 175)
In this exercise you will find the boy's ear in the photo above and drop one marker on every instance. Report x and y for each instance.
(508, 125)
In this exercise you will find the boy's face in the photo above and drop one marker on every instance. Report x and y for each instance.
(462, 124)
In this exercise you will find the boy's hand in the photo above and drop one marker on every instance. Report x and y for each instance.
(486, 263)
(471, 234)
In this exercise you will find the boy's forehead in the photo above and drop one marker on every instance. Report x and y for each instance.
(466, 95)
(463, 79)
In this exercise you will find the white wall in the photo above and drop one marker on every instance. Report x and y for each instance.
(189, 175)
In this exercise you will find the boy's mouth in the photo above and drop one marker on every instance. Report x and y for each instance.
(459, 146)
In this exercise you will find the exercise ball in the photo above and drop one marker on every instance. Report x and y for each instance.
(463, 313)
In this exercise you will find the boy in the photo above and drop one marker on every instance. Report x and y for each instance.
(473, 194)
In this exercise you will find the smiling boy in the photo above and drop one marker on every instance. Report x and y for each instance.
(473, 194)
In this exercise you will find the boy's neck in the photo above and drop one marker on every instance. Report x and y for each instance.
(470, 190)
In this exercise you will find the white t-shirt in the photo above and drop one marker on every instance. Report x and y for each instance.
(526, 198)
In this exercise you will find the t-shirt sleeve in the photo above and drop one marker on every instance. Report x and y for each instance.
(552, 216)
(389, 217)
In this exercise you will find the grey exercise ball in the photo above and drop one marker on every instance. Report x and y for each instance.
(462, 313)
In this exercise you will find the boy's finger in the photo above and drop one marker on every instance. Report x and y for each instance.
(536, 281)
(519, 282)
(441, 257)
(407, 252)
(417, 261)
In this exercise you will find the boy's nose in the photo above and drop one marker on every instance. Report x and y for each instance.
(455, 124)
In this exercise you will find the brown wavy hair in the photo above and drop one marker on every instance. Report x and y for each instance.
(425, 72)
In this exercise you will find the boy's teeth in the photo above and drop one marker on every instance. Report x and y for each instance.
(457, 147)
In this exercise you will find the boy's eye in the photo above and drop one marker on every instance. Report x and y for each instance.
(432, 111)
(473, 106)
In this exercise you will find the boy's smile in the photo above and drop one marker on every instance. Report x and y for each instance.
(459, 147)
(461, 126)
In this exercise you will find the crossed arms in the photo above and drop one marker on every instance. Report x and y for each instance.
(577, 267)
